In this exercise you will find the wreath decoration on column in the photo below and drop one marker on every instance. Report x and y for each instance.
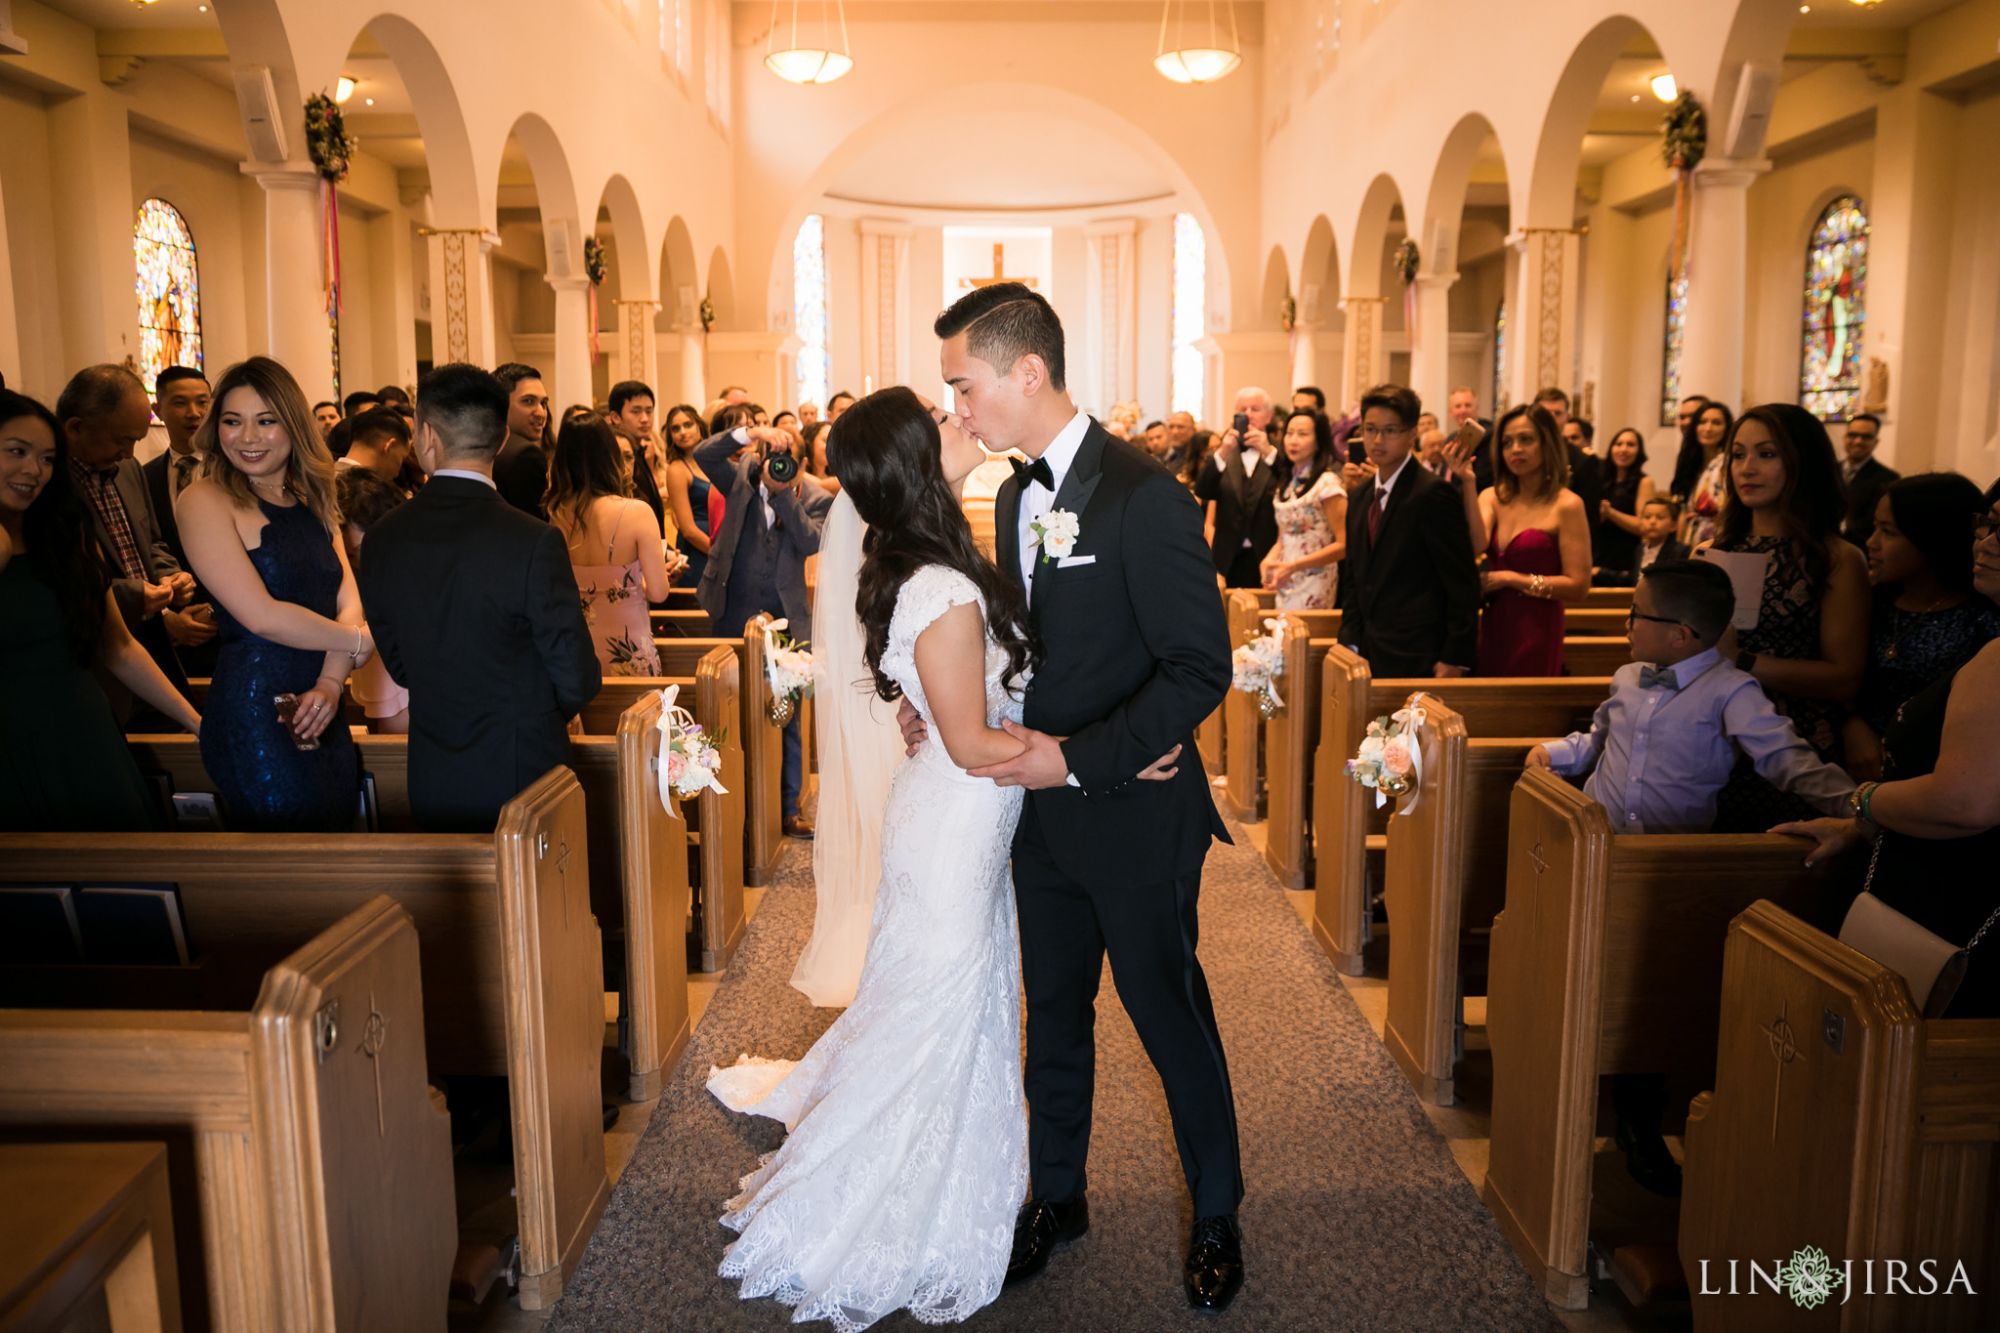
(331, 149)
(593, 269)
(1407, 260)
(1683, 144)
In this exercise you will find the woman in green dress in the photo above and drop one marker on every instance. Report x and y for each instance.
(64, 766)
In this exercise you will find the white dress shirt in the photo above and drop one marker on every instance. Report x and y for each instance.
(1036, 502)
(483, 478)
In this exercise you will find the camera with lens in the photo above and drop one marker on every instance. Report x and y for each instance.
(778, 464)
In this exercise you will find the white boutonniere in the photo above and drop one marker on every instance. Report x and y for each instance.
(1056, 533)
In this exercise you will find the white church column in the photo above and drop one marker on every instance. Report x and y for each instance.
(1719, 237)
(1112, 299)
(1365, 356)
(635, 354)
(1541, 317)
(294, 284)
(572, 360)
(10, 327)
(1430, 341)
(90, 150)
(885, 295)
(1305, 362)
(461, 294)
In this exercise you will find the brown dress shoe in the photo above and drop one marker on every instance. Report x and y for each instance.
(795, 826)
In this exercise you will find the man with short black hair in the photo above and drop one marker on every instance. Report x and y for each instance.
(379, 441)
(181, 402)
(361, 400)
(1412, 606)
(632, 410)
(521, 471)
(1861, 476)
(475, 611)
(1309, 396)
(837, 404)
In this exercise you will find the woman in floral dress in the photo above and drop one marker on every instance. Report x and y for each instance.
(614, 543)
(1304, 567)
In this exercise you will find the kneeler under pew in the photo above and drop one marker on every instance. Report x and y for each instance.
(1607, 959)
(309, 1165)
(511, 966)
(1841, 1118)
(1346, 827)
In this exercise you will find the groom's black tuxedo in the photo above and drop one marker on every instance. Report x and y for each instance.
(1136, 654)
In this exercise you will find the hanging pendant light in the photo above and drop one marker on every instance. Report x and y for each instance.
(803, 62)
(1209, 57)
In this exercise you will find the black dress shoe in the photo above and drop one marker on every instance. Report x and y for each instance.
(1042, 1228)
(1214, 1271)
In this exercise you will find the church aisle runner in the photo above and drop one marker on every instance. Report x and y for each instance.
(1356, 1216)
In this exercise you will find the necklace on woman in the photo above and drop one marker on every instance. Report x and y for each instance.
(1897, 623)
(284, 489)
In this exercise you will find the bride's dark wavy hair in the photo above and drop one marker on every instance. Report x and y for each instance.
(885, 450)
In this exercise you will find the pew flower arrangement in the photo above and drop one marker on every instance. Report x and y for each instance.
(1256, 666)
(690, 760)
(1390, 759)
(788, 667)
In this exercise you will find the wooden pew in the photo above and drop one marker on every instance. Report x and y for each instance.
(1288, 747)
(1591, 621)
(512, 963)
(681, 624)
(1844, 1119)
(1606, 960)
(640, 891)
(1244, 737)
(1595, 656)
(310, 1167)
(1443, 882)
(1343, 814)
(87, 1238)
(1599, 598)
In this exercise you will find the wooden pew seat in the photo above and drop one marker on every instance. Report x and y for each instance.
(310, 1168)
(1842, 1118)
(1607, 959)
(510, 977)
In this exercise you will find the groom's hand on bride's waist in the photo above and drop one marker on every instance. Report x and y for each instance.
(912, 725)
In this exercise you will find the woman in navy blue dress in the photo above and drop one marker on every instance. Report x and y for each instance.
(261, 529)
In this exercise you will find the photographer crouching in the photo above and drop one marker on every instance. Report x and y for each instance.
(772, 518)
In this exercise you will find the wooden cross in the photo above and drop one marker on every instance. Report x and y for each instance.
(562, 868)
(1784, 1047)
(999, 271)
(373, 1035)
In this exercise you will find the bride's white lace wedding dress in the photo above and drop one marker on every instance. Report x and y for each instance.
(907, 1155)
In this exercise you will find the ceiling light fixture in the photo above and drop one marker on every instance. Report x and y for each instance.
(368, 101)
(1665, 88)
(803, 62)
(343, 88)
(1196, 63)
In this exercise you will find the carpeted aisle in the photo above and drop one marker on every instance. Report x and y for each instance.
(1356, 1216)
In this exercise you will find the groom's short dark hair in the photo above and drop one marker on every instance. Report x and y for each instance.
(1003, 323)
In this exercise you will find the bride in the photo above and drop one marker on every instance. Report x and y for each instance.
(907, 1156)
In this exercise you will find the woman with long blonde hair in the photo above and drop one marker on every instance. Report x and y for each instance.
(262, 530)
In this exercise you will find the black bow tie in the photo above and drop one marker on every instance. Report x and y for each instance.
(1036, 471)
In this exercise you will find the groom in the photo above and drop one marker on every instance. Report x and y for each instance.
(1136, 655)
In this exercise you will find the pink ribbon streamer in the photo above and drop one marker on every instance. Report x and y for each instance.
(594, 352)
(330, 237)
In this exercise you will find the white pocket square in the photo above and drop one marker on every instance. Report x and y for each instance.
(1072, 561)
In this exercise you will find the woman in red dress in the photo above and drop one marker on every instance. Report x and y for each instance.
(1537, 543)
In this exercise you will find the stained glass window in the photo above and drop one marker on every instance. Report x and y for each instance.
(1835, 308)
(1670, 354)
(1499, 398)
(809, 319)
(1190, 318)
(168, 287)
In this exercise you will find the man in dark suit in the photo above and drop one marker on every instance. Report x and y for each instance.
(1136, 655)
(1413, 602)
(476, 613)
(521, 469)
(1461, 407)
(757, 562)
(181, 402)
(104, 413)
(1864, 479)
(1241, 485)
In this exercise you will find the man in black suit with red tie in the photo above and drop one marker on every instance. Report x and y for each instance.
(1412, 606)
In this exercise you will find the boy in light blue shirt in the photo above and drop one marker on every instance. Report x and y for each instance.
(1662, 746)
